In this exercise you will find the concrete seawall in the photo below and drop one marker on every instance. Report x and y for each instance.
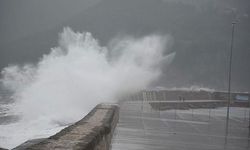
(93, 132)
(189, 104)
(241, 99)
(186, 99)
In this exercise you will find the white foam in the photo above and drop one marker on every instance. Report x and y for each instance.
(191, 88)
(78, 74)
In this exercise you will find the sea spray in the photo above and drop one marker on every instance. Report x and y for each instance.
(77, 75)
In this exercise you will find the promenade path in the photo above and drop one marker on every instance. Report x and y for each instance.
(142, 128)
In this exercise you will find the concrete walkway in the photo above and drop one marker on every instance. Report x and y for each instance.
(141, 128)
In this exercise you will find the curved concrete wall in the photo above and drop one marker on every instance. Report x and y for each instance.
(93, 132)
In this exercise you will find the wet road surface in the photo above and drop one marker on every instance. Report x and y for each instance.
(142, 128)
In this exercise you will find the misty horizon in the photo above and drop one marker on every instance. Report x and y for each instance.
(200, 33)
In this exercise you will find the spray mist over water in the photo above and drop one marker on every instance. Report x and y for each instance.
(77, 75)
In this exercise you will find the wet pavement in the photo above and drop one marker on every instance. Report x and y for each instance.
(142, 128)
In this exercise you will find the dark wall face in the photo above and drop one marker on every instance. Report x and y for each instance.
(201, 30)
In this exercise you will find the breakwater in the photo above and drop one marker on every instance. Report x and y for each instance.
(237, 98)
(93, 132)
(186, 99)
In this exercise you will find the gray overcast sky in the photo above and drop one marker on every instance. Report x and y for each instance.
(20, 18)
(201, 30)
